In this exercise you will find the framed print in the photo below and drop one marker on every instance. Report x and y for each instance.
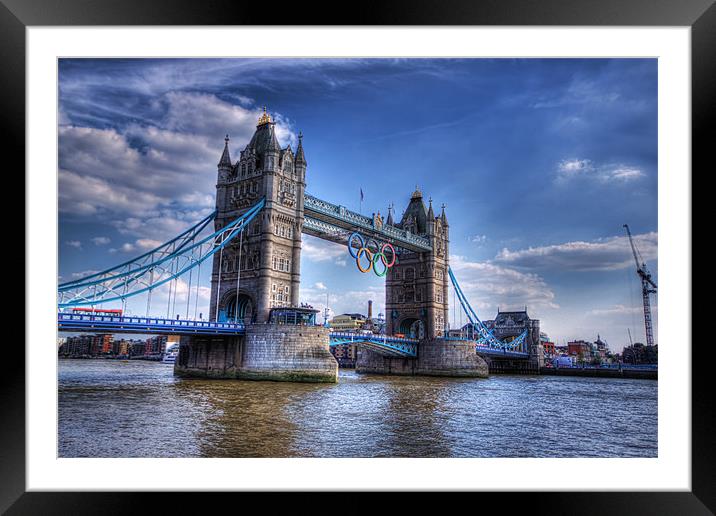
(438, 251)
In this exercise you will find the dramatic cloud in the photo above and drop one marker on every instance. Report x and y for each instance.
(488, 286)
(600, 255)
(159, 175)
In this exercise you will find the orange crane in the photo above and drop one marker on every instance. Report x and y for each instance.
(647, 287)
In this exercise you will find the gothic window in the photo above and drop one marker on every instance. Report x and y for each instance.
(409, 296)
(396, 274)
(283, 230)
(280, 263)
(409, 274)
(439, 274)
(419, 295)
(243, 170)
(439, 296)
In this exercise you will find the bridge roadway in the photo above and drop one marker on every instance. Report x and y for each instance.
(335, 222)
(384, 344)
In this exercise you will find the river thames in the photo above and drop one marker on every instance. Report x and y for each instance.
(114, 408)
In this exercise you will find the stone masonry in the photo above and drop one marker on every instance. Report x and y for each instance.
(276, 352)
(435, 358)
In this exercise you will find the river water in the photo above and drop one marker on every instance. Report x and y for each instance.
(113, 408)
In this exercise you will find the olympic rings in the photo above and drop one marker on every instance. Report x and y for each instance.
(370, 259)
(350, 243)
(374, 251)
(375, 262)
(372, 244)
(383, 258)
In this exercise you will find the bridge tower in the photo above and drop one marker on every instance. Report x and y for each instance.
(416, 288)
(269, 252)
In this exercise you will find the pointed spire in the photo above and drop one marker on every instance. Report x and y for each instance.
(273, 142)
(225, 160)
(443, 217)
(300, 157)
(431, 213)
(389, 220)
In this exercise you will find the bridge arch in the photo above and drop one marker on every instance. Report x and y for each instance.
(246, 307)
(412, 327)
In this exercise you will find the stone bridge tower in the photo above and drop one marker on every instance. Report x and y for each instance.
(269, 254)
(416, 288)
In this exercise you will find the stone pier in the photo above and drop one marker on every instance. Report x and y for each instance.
(277, 352)
(435, 358)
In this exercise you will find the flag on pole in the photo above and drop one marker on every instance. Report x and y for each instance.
(361, 194)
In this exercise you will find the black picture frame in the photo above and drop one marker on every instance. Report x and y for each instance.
(700, 15)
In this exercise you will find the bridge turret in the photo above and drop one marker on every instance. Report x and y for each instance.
(225, 160)
(300, 159)
(430, 224)
(223, 175)
(267, 274)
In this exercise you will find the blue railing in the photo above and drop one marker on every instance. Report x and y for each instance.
(355, 220)
(392, 345)
(151, 325)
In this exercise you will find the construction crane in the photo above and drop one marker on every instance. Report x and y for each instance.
(647, 287)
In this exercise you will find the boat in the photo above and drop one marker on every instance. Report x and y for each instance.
(170, 356)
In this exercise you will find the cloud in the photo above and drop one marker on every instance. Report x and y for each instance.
(573, 169)
(74, 243)
(318, 250)
(478, 239)
(320, 285)
(625, 173)
(100, 240)
(619, 310)
(489, 285)
(82, 274)
(600, 255)
(151, 178)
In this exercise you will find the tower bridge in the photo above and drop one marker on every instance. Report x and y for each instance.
(262, 210)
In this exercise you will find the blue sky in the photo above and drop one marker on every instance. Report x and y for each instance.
(539, 162)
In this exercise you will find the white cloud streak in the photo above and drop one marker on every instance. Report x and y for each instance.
(600, 255)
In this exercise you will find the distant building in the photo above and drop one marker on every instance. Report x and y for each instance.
(347, 322)
(640, 354)
(86, 346)
(547, 345)
(561, 350)
(156, 345)
(580, 349)
(137, 348)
